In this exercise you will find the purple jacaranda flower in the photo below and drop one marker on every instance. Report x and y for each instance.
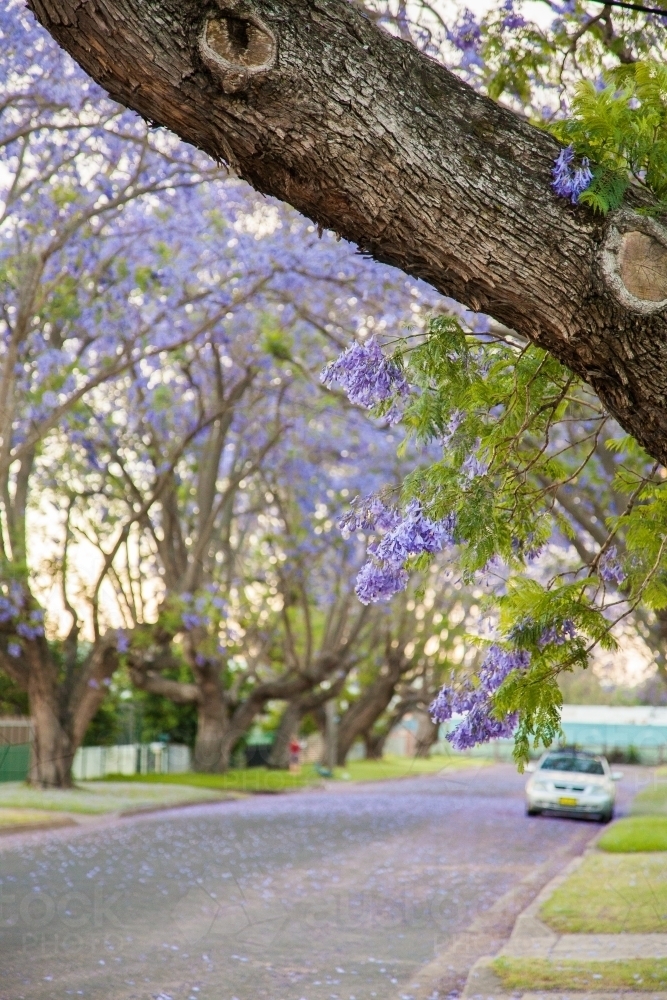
(366, 375)
(499, 664)
(473, 467)
(475, 701)
(570, 181)
(610, 569)
(557, 635)
(453, 425)
(368, 514)
(412, 534)
(377, 582)
(122, 642)
(479, 727)
(29, 631)
(467, 33)
(14, 650)
(512, 20)
(191, 620)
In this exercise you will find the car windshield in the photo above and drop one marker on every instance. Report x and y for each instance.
(572, 762)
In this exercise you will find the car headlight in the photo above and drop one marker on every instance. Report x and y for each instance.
(540, 786)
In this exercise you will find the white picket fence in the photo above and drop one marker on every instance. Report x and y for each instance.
(133, 758)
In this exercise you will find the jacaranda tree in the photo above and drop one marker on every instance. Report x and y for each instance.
(163, 328)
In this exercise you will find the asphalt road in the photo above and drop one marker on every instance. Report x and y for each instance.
(343, 894)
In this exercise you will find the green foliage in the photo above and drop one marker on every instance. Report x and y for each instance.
(13, 699)
(516, 429)
(622, 129)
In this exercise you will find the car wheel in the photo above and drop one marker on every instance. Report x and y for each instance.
(607, 816)
(532, 811)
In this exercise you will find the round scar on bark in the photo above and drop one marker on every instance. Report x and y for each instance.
(237, 47)
(634, 262)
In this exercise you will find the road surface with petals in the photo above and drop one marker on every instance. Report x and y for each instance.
(337, 894)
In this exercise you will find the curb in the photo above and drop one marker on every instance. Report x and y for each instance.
(58, 824)
(528, 939)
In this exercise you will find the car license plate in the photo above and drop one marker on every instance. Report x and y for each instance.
(567, 802)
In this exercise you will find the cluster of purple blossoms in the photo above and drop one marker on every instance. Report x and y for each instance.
(610, 569)
(10, 604)
(475, 703)
(557, 635)
(474, 467)
(123, 643)
(33, 628)
(11, 609)
(367, 376)
(512, 20)
(368, 514)
(467, 34)
(527, 548)
(570, 181)
(404, 536)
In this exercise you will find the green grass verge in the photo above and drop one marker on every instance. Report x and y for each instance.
(611, 894)
(261, 779)
(652, 801)
(523, 974)
(635, 834)
(27, 817)
(99, 797)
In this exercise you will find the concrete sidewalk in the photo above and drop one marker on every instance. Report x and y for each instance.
(532, 938)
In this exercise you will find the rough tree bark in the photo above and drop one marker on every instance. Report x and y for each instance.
(372, 702)
(310, 102)
(427, 734)
(61, 707)
(222, 718)
(293, 714)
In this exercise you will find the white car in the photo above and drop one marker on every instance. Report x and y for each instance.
(572, 782)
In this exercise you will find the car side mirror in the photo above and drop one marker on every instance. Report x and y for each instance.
(530, 768)
(616, 775)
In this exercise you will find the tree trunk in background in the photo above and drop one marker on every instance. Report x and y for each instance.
(53, 748)
(374, 745)
(63, 700)
(212, 752)
(427, 734)
(287, 729)
(369, 706)
(310, 102)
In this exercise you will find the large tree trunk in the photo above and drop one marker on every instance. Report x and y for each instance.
(427, 734)
(310, 102)
(374, 744)
(53, 748)
(61, 707)
(287, 729)
(362, 714)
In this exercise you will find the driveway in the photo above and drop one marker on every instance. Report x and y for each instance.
(382, 890)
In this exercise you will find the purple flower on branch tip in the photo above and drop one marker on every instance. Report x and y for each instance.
(366, 375)
(368, 514)
(14, 650)
(557, 635)
(512, 20)
(610, 569)
(480, 727)
(474, 467)
(376, 582)
(570, 181)
(475, 703)
(411, 535)
(467, 34)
